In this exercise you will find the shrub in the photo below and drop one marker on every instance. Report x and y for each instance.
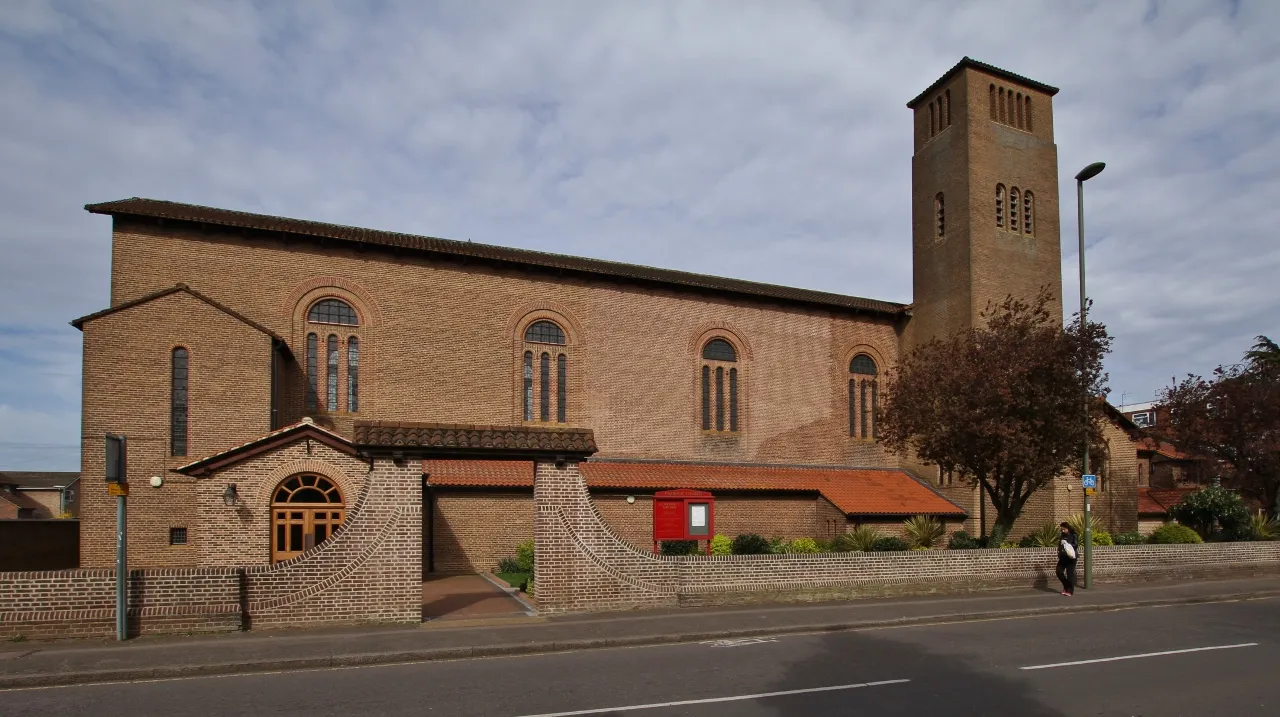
(1077, 524)
(1046, 536)
(1214, 512)
(509, 565)
(960, 540)
(1102, 537)
(824, 545)
(524, 556)
(721, 545)
(1130, 539)
(802, 545)
(923, 531)
(861, 538)
(1173, 533)
(1008, 544)
(528, 587)
(750, 544)
(777, 545)
(679, 547)
(889, 543)
(1263, 527)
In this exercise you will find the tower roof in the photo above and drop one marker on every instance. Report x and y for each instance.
(967, 62)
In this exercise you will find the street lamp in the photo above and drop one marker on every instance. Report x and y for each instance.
(1086, 174)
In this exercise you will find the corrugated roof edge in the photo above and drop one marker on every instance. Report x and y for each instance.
(992, 69)
(160, 209)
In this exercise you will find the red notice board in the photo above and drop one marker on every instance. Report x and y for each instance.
(683, 515)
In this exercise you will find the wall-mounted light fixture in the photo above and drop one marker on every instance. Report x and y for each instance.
(230, 496)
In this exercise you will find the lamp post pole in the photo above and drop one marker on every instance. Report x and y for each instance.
(1085, 174)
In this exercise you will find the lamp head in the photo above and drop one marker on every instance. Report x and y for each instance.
(1091, 171)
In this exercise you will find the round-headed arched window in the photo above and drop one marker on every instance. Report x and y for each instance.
(864, 396)
(305, 510)
(715, 393)
(333, 312)
(545, 332)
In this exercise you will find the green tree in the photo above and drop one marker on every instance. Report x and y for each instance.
(1214, 512)
(1002, 404)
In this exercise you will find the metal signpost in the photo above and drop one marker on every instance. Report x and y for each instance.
(117, 485)
(1090, 483)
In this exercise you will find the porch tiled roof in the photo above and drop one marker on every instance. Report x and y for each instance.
(854, 491)
(1158, 501)
(464, 438)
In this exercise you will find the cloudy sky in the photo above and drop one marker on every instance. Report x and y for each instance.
(761, 140)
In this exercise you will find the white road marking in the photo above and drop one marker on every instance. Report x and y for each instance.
(738, 642)
(709, 700)
(1135, 657)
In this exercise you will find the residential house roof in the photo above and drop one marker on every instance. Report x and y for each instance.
(201, 215)
(29, 480)
(1156, 502)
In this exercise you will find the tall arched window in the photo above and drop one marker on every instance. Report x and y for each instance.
(1018, 103)
(991, 100)
(178, 403)
(1000, 205)
(333, 312)
(528, 385)
(305, 510)
(719, 355)
(1028, 212)
(864, 390)
(1002, 109)
(1027, 101)
(331, 373)
(946, 102)
(940, 215)
(537, 337)
(313, 373)
(933, 122)
(1013, 209)
(353, 374)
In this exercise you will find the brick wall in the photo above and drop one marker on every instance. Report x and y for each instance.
(583, 565)
(81, 603)
(473, 530)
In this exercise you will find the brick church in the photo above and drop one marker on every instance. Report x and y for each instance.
(249, 360)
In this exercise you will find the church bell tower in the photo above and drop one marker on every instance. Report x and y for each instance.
(984, 197)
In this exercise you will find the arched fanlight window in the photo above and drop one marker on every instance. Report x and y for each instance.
(333, 311)
(544, 332)
(863, 364)
(305, 510)
(719, 350)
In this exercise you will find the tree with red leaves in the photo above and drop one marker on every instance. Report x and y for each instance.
(1233, 418)
(1001, 404)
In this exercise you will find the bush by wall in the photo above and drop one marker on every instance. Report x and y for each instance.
(961, 540)
(1174, 533)
(750, 544)
(524, 556)
(888, 544)
(679, 547)
(721, 545)
(923, 531)
(1130, 539)
(1214, 513)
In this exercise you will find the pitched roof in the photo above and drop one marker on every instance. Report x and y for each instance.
(466, 439)
(39, 479)
(854, 491)
(271, 441)
(24, 502)
(80, 322)
(157, 209)
(1158, 501)
(1164, 448)
(966, 62)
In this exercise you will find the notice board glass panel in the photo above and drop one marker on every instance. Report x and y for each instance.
(697, 519)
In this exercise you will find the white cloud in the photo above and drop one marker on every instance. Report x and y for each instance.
(760, 140)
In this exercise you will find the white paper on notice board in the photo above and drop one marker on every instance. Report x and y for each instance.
(697, 516)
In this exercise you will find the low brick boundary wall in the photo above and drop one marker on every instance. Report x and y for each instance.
(582, 565)
(82, 603)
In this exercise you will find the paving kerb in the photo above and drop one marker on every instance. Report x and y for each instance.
(52, 679)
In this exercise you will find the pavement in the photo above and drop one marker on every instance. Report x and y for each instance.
(43, 664)
(1203, 659)
(471, 597)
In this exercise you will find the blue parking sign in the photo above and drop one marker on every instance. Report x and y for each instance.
(1089, 481)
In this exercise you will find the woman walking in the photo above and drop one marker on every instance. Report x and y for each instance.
(1068, 551)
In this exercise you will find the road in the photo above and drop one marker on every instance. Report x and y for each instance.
(974, 668)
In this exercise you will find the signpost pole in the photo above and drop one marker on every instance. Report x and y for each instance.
(1088, 541)
(122, 622)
